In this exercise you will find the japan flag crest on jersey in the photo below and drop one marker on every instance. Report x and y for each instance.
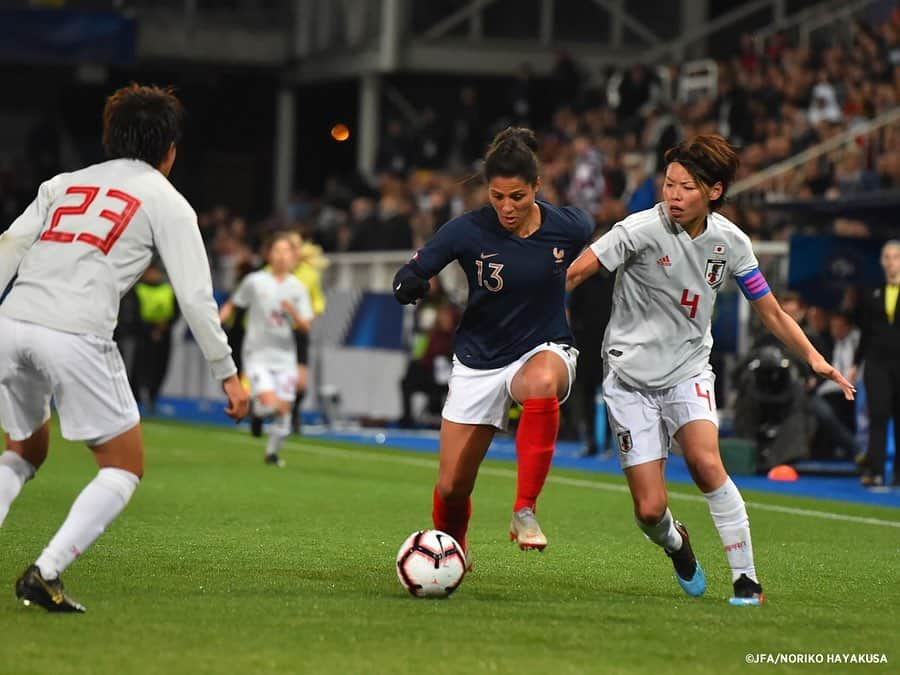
(715, 272)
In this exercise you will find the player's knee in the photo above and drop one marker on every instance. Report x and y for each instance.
(34, 454)
(650, 510)
(33, 449)
(708, 471)
(542, 384)
(454, 488)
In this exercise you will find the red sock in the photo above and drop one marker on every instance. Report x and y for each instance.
(452, 517)
(535, 442)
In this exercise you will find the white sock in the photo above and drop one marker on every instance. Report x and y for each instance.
(14, 471)
(279, 429)
(261, 410)
(96, 507)
(663, 533)
(729, 515)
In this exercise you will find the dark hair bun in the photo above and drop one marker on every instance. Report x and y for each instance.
(517, 135)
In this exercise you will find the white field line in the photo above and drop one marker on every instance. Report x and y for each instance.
(559, 480)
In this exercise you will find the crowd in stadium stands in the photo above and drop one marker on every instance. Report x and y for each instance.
(602, 147)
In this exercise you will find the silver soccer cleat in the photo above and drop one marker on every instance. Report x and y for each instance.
(526, 530)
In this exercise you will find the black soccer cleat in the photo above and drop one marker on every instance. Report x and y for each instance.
(688, 572)
(275, 460)
(747, 592)
(33, 589)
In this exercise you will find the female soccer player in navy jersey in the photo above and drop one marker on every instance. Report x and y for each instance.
(513, 342)
(672, 260)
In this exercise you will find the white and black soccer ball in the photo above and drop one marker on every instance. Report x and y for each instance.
(430, 564)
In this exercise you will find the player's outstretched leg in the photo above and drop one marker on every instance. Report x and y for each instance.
(121, 462)
(673, 537)
(15, 471)
(535, 442)
(463, 447)
(256, 422)
(279, 429)
(452, 516)
(296, 414)
(19, 463)
(262, 409)
(729, 514)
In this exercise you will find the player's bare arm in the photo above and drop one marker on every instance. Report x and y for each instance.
(786, 329)
(226, 311)
(585, 266)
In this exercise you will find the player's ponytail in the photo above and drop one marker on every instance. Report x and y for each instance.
(513, 153)
(709, 159)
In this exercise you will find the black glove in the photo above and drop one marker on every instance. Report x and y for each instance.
(409, 287)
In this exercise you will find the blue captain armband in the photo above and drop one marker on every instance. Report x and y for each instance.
(753, 284)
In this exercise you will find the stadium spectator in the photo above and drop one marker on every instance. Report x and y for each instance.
(879, 352)
(431, 349)
(590, 305)
(308, 271)
(835, 414)
(158, 311)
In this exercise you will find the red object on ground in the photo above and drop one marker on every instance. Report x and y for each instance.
(783, 472)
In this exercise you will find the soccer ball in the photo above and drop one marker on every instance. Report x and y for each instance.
(430, 564)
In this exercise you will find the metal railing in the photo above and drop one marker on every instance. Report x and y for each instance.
(870, 139)
(805, 23)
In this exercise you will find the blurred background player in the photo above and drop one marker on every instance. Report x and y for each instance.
(85, 239)
(277, 304)
(513, 342)
(672, 259)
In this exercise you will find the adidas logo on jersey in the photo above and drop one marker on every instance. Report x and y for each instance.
(664, 261)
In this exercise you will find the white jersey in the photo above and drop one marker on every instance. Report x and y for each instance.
(269, 340)
(90, 235)
(659, 333)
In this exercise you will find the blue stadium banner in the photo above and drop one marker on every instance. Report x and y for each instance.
(377, 323)
(822, 267)
(66, 36)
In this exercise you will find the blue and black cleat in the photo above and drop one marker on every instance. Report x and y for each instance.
(747, 593)
(688, 572)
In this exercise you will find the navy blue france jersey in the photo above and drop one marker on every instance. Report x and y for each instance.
(517, 285)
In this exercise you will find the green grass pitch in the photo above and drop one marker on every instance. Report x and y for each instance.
(221, 564)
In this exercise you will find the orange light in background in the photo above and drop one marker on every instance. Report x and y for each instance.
(340, 132)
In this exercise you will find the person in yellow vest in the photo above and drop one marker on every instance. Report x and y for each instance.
(158, 310)
(879, 349)
(309, 268)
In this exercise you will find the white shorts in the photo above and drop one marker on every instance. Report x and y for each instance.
(83, 373)
(283, 381)
(479, 396)
(644, 422)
